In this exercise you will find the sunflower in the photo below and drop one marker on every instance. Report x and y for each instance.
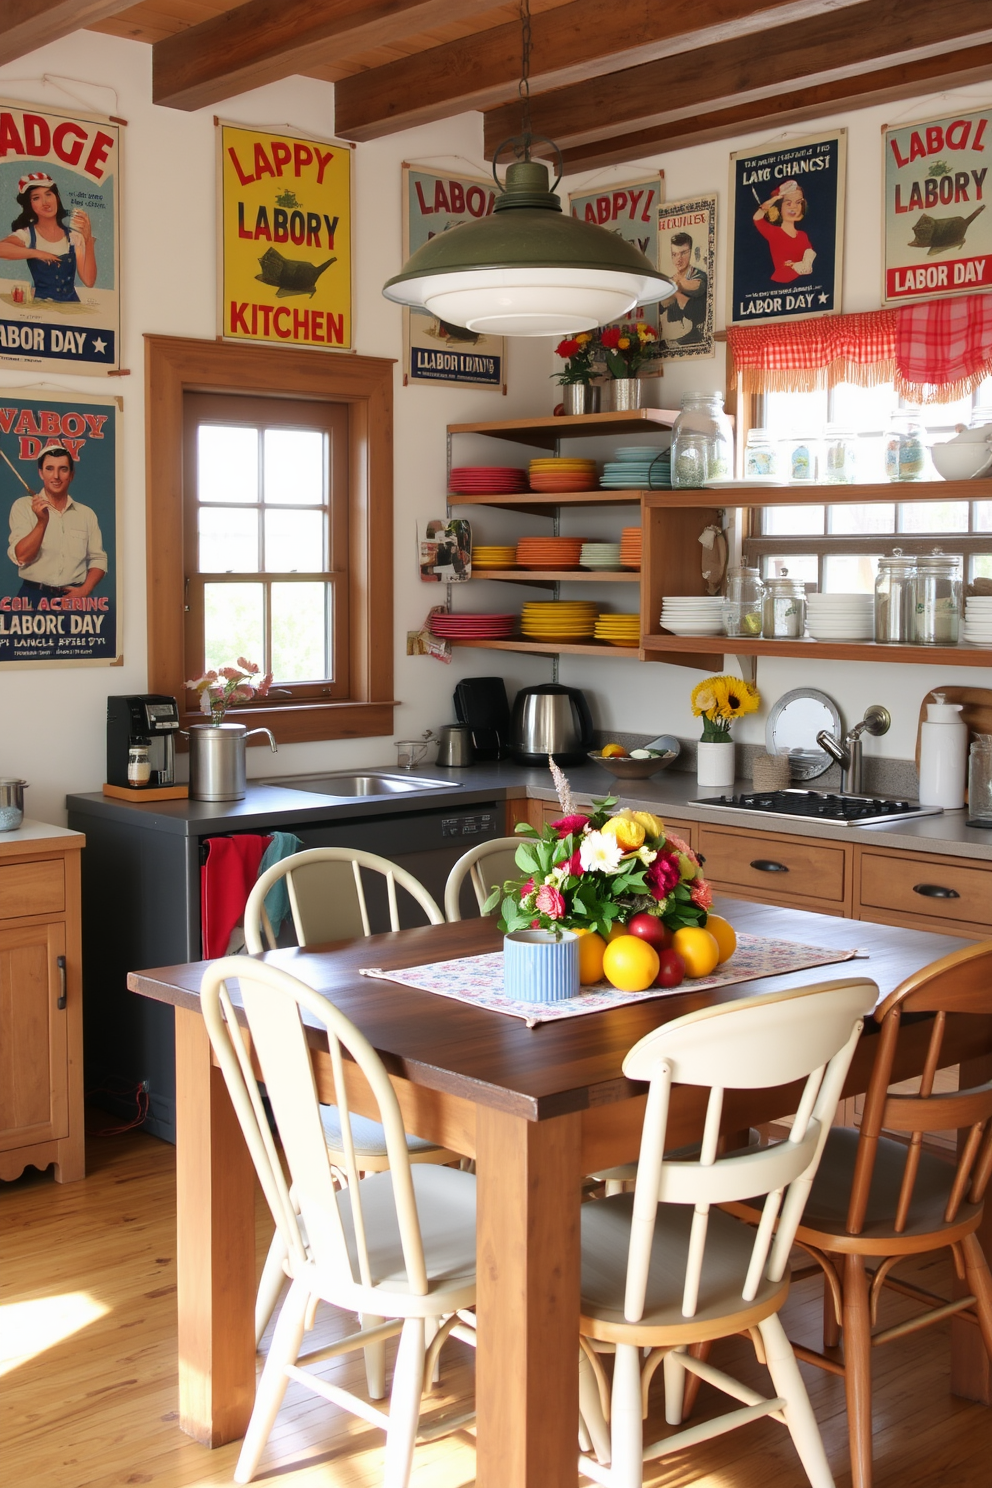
(704, 699)
(734, 697)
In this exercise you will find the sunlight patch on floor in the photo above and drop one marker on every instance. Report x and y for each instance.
(27, 1329)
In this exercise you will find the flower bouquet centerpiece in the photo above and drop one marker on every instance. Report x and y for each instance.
(575, 377)
(626, 349)
(718, 702)
(229, 685)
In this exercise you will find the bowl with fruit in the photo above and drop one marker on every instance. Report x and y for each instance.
(637, 764)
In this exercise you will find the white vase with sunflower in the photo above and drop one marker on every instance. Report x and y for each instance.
(718, 702)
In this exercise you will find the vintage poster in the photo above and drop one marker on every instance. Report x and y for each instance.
(285, 239)
(938, 236)
(435, 351)
(687, 253)
(631, 211)
(787, 229)
(59, 575)
(59, 240)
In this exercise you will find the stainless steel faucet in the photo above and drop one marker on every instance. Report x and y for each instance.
(848, 751)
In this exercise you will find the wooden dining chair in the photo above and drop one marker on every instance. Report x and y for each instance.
(663, 1269)
(880, 1194)
(484, 865)
(327, 902)
(397, 1246)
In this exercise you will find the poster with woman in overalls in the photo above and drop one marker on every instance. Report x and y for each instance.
(59, 301)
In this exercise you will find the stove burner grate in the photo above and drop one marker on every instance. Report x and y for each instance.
(805, 805)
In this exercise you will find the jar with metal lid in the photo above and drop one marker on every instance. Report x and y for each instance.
(741, 613)
(980, 781)
(904, 452)
(760, 457)
(939, 599)
(840, 456)
(139, 765)
(702, 442)
(783, 609)
(895, 599)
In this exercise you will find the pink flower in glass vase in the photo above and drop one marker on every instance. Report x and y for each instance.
(549, 902)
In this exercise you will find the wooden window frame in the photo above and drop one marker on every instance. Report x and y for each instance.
(175, 366)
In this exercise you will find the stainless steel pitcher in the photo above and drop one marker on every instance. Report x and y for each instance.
(217, 760)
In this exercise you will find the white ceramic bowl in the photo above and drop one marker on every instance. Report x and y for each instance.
(960, 459)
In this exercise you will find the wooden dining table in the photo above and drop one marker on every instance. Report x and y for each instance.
(537, 1108)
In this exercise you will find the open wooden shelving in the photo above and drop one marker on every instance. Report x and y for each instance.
(544, 433)
(806, 495)
(559, 648)
(671, 648)
(546, 577)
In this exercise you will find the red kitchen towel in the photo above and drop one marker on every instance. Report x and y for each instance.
(943, 348)
(226, 879)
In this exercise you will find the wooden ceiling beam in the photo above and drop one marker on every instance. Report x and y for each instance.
(570, 43)
(266, 40)
(26, 25)
(887, 85)
(806, 54)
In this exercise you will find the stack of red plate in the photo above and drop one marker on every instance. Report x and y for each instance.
(473, 627)
(487, 480)
(549, 552)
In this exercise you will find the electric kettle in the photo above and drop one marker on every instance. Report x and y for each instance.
(550, 719)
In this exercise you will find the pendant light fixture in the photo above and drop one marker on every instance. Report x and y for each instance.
(528, 269)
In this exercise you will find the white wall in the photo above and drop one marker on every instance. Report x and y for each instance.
(656, 697)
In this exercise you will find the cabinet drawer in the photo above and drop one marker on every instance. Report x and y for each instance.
(31, 889)
(787, 867)
(919, 886)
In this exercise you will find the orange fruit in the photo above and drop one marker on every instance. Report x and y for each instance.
(698, 948)
(724, 934)
(592, 948)
(617, 929)
(612, 751)
(630, 963)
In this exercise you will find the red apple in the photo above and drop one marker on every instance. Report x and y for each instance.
(650, 928)
(671, 969)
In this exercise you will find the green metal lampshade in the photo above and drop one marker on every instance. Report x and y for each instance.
(528, 269)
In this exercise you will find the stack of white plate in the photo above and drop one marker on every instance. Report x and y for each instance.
(692, 614)
(600, 555)
(978, 620)
(841, 617)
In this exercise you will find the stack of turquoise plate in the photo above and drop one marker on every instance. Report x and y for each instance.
(605, 555)
(639, 468)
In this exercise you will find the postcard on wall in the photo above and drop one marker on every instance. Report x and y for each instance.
(60, 258)
(59, 574)
(938, 237)
(444, 550)
(434, 350)
(787, 229)
(687, 253)
(284, 239)
(631, 211)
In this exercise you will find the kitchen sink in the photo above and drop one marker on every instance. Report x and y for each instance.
(364, 783)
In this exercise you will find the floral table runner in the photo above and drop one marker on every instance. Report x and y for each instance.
(479, 979)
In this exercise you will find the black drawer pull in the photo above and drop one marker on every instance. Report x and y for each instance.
(767, 865)
(935, 891)
(60, 963)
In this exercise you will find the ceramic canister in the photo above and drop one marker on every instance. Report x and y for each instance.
(540, 967)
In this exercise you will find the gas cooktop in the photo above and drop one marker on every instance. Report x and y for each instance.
(807, 805)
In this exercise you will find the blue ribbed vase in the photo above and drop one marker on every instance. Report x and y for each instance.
(537, 967)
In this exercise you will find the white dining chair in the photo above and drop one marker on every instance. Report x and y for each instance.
(398, 1245)
(663, 1268)
(327, 902)
(486, 864)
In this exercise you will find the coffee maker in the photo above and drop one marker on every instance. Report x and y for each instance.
(147, 717)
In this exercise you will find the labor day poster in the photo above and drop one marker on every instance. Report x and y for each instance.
(59, 240)
(938, 234)
(435, 351)
(59, 574)
(631, 211)
(687, 254)
(787, 229)
(284, 239)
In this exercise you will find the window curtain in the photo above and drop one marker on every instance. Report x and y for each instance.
(935, 352)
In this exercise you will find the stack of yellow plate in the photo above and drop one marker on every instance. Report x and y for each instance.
(491, 555)
(559, 620)
(618, 630)
(563, 475)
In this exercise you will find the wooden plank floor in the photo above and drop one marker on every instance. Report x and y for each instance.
(96, 1408)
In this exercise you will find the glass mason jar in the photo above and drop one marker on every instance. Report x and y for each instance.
(760, 458)
(803, 460)
(741, 613)
(840, 456)
(139, 765)
(895, 598)
(702, 442)
(783, 609)
(980, 782)
(939, 599)
(904, 451)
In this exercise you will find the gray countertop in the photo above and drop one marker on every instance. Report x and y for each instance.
(671, 791)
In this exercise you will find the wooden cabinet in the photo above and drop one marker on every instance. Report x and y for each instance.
(925, 892)
(41, 1026)
(773, 868)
